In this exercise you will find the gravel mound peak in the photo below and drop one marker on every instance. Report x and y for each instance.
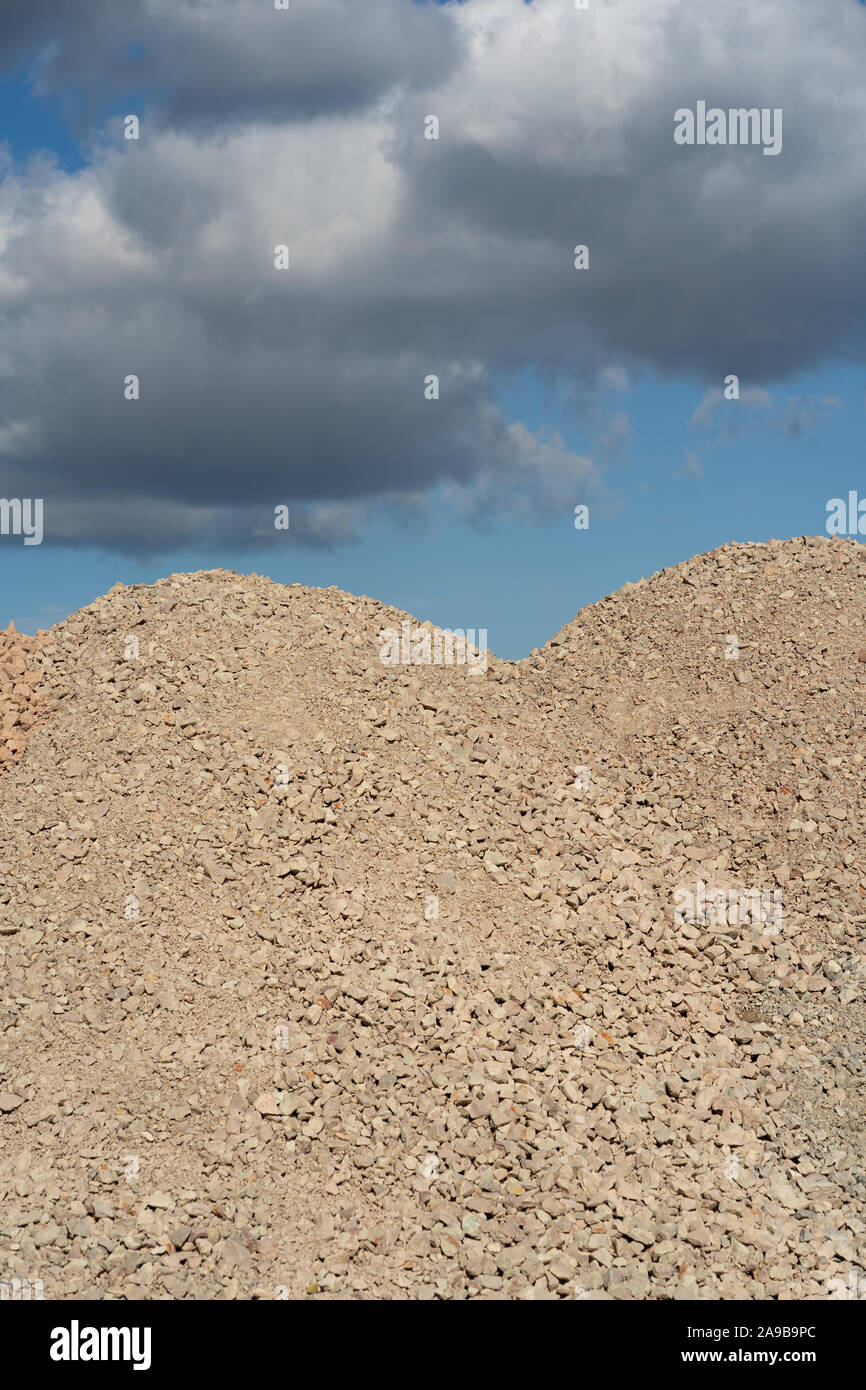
(328, 977)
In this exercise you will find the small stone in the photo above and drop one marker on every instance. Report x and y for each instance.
(160, 1201)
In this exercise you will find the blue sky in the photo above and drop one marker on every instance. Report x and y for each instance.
(524, 582)
(663, 485)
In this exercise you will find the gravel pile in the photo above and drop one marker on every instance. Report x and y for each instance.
(329, 978)
(19, 679)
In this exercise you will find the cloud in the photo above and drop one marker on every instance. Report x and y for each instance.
(693, 465)
(527, 477)
(19, 437)
(616, 432)
(614, 379)
(230, 60)
(750, 397)
(147, 526)
(802, 413)
(409, 257)
(798, 418)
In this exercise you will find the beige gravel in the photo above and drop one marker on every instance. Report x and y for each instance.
(329, 979)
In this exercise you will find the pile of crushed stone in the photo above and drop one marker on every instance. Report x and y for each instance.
(328, 978)
(19, 683)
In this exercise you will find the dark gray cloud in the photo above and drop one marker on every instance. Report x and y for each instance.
(230, 59)
(411, 257)
(715, 259)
